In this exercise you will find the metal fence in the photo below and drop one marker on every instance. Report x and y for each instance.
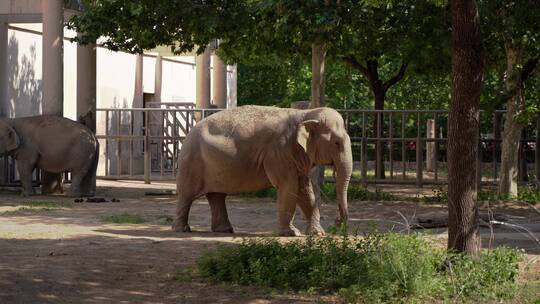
(143, 144)
(401, 133)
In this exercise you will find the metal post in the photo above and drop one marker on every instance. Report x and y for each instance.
(479, 162)
(363, 151)
(419, 158)
(403, 145)
(146, 150)
(436, 152)
(390, 145)
(537, 152)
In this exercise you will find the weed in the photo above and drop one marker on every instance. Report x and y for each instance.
(380, 268)
(328, 192)
(123, 218)
(36, 206)
(529, 194)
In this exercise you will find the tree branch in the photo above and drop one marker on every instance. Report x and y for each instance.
(397, 77)
(356, 65)
(529, 68)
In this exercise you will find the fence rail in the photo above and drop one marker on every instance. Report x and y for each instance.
(405, 147)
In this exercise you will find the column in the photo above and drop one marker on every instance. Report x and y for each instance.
(232, 77)
(4, 101)
(158, 78)
(86, 85)
(141, 162)
(202, 78)
(138, 98)
(219, 82)
(53, 65)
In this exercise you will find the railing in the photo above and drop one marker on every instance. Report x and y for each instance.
(144, 143)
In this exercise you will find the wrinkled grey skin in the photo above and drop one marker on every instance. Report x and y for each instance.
(55, 145)
(251, 148)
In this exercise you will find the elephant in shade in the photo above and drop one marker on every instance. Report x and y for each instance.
(55, 145)
(254, 147)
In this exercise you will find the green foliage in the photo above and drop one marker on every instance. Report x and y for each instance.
(123, 218)
(528, 194)
(380, 268)
(492, 276)
(356, 192)
(328, 192)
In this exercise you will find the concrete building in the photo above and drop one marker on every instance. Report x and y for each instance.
(42, 72)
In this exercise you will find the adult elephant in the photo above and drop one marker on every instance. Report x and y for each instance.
(55, 145)
(254, 147)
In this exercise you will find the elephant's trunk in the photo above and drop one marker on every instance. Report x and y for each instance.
(344, 165)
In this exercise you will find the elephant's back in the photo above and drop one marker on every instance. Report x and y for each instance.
(247, 121)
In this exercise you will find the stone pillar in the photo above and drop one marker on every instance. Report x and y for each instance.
(431, 156)
(4, 101)
(202, 75)
(219, 82)
(53, 49)
(232, 77)
(86, 93)
(86, 85)
(138, 96)
(140, 164)
(4, 78)
(158, 78)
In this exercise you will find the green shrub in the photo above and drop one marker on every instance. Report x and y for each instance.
(123, 218)
(328, 192)
(529, 194)
(380, 268)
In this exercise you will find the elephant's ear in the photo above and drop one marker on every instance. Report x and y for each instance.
(12, 139)
(304, 130)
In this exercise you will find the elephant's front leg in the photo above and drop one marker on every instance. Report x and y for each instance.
(25, 172)
(287, 197)
(309, 206)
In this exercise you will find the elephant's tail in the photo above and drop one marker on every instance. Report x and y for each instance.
(96, 158)
(93, 170)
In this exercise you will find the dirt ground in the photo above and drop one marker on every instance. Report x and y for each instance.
(70, 255)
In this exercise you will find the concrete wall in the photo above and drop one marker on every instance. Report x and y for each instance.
(115, 88)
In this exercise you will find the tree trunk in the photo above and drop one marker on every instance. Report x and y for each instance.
(463, 123)
(511, 133)
(379, 94)
(523, 174)
(318, 61)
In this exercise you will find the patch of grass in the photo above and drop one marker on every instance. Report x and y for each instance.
(328, 192)
(528, 194)
(36, 206)
(357, 192)
(380, 268)
(269, 193)
(123, 218)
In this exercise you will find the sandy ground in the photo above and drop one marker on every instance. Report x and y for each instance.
(71, 256)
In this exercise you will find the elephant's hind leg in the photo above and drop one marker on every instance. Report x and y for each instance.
(220, 218)
(180, 224)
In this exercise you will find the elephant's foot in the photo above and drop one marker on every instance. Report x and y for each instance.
(180, 227)
(315, 229)
(26, 193)
(74, 193)
(290, 231)
(223, 229)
